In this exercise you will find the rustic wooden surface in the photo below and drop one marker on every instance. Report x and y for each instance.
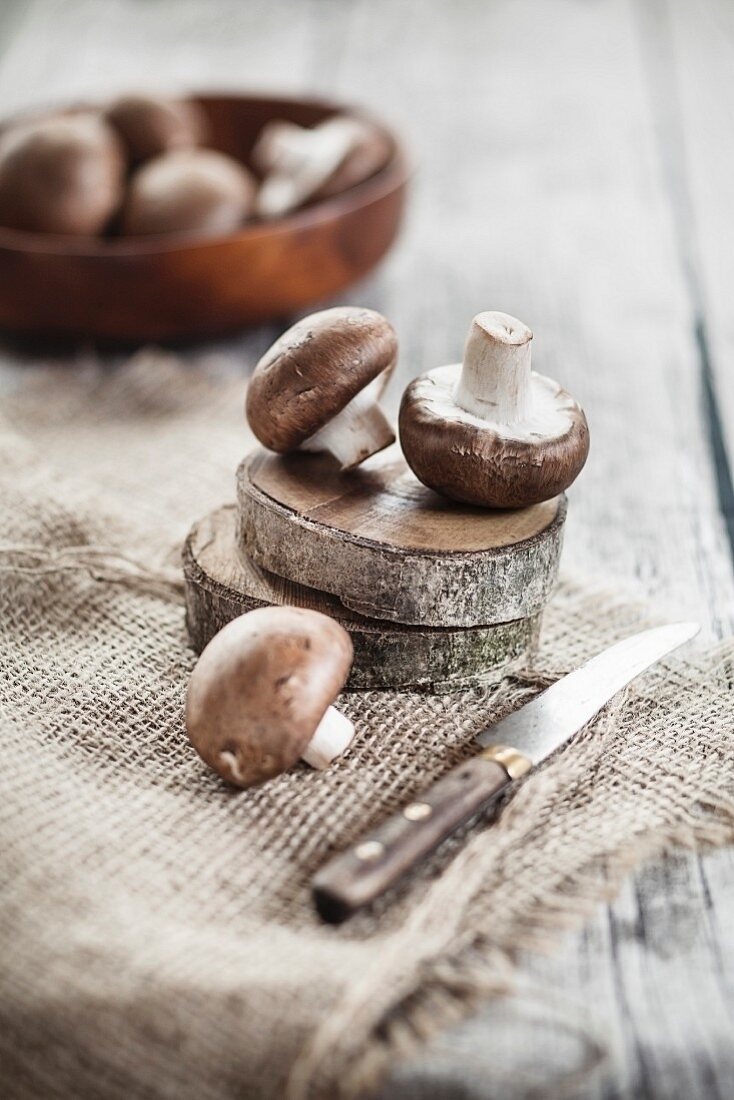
(391, 549)
(222, 584)
(574, 168)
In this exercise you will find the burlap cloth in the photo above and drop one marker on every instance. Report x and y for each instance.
(156, 934)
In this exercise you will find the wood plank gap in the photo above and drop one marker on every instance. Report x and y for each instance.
(714, 935)
(653, 21)
(722, 464)
(643, 1083)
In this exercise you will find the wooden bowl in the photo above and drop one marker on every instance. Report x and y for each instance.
(157, 288)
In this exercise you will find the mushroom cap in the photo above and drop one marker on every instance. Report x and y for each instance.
(188, 191)
(314, 369)
(61, 175)
(260, 689)
(150, 125)
(493, 465)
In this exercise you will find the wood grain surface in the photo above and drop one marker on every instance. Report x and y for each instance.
(382, 501)
(389, 548)
(222, 583)
(573, 168)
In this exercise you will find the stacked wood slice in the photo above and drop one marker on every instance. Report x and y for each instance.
(436, 595)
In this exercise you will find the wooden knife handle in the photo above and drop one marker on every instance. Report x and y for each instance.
(362, 873)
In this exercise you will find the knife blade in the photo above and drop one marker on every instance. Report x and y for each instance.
(510, 748)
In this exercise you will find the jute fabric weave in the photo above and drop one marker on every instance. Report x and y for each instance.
(156, 934)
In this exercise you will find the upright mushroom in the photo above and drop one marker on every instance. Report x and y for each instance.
(299, 163)
(490, 431)
(318, 386)
(260, 695)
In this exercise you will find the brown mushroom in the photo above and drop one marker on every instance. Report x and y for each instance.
(61, 175)
(299, 164)
(490, 431)
(318, 386)
(260, 695)
(192, 191)
(150, 125)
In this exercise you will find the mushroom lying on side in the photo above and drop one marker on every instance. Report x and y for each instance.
(192, 191)
(318, 386)
(299, 164)
(490, 431)
(150, 125)
(260, 695)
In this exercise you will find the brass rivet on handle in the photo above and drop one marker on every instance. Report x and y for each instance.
(417, 811)
(514, 763)
(369, 851)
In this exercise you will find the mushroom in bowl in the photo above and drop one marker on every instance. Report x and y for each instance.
(300, 164)
(188, 191)
(150, 125)
(490, 431)
(61, 175)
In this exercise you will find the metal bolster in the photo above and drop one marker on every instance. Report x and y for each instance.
(514, 763)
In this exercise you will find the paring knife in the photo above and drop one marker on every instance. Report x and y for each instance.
(510, 748)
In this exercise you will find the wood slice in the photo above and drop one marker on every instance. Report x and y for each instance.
(221, 584)
(389, 548)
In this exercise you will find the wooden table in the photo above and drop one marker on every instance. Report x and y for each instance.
(573, 167)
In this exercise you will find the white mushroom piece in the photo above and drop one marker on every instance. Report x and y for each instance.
(490, 431)
(299, 163)
(317, 388)
(260, 695)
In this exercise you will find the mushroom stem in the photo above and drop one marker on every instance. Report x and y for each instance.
(358, 431)
(299, 160)
(495, 376)
(331, 737)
